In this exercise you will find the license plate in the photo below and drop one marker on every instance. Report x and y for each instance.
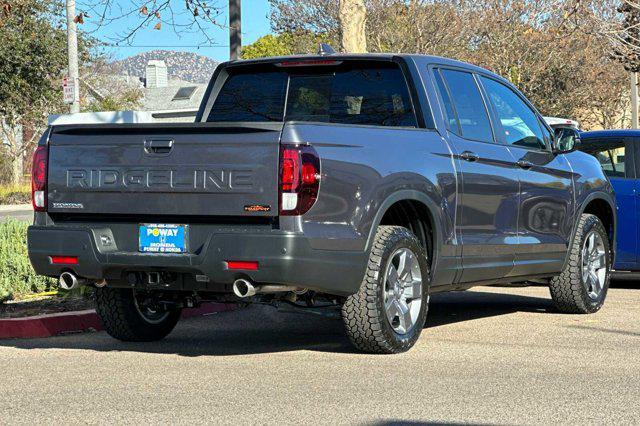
(163, 238)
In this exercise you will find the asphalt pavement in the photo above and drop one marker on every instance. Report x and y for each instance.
(487, 356)
(22, 212)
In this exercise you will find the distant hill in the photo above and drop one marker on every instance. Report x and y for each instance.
(183, 65)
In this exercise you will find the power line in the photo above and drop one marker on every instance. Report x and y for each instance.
(167, 45)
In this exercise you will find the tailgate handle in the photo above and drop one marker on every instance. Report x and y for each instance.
(158, 146)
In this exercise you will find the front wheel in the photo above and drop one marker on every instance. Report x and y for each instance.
(388, 313)
(134, 316)
(582, 286)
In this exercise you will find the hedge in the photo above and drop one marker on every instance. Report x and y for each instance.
(17, 277)
(15, 194)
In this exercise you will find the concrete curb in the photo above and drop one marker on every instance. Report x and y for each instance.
(73, 322)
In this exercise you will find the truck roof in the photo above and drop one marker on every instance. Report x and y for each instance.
(419, 59)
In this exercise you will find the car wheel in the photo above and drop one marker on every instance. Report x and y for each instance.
(388, 312)
(582, 286)
(134, 316)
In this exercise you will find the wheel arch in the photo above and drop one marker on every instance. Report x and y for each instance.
(603, 206)
(413, 204)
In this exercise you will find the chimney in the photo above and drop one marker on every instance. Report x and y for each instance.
(156, 74)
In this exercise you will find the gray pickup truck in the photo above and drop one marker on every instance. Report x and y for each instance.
(353, 184)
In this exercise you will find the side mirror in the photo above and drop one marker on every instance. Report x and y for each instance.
(565, 140)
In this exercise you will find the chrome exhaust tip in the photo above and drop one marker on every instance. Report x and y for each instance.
(68, 281)
(243, 288)
(101, 283)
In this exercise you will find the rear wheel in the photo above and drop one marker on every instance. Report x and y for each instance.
(388, 313)
(582, 286)
(134, 316)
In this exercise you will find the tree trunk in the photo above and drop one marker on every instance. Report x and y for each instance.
(16, 170)
(353, 16)
(12, 138)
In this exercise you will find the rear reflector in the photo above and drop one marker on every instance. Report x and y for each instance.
(250, 266)
(64, 260)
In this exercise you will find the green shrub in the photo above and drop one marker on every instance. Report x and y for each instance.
(15, 194)
(17, 277)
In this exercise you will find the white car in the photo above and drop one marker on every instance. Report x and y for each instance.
(556, 122)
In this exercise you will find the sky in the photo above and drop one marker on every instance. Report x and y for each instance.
(255, 24)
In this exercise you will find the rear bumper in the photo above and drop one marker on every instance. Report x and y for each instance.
(284, 258)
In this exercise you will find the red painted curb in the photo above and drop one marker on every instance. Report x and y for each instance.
(71, 322)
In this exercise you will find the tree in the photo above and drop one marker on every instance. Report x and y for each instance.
(548, 48)
(101, 90)
(283, 44)
(269, 45)
(186, 16)
(125, 99)
(623, 31)
(353, 17)
(32, 62)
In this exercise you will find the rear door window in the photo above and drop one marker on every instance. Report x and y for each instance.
(467, 104)
(611, 156)
(450, 113)
(363, 94)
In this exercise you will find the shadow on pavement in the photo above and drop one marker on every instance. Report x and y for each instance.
(261, 329)
(628, 284)
(447, 308)
(415, 423)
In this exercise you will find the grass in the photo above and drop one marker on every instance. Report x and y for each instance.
(15, 194)
(17, 277)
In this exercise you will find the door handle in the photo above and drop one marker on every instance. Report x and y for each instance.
(158, 146)
(469, 156)
(524, 164)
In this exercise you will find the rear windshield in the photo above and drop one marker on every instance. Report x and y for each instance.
(367, 94)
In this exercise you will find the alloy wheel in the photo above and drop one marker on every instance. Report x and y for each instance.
(402, 290)
(594, 264)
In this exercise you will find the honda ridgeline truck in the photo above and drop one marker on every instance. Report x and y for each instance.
(358, 183)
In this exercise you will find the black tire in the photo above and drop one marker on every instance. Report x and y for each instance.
(364, 314)
(123, 320)
(568, 290)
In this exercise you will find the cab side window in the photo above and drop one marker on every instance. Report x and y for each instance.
(519, 122)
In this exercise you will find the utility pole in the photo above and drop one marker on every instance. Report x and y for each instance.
(235, 28)
(72, 54)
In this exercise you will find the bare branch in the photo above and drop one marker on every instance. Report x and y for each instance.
(183, 16)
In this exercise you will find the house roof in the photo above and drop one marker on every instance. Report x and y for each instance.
(164, 98)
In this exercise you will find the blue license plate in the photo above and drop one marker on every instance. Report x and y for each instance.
(163, 238)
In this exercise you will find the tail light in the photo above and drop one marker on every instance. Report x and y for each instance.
(39, 179)
(299, 179)
(307, 63)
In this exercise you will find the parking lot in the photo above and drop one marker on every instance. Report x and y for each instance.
(489, 355)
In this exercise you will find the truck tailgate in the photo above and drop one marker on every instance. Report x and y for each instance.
(194, 169)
